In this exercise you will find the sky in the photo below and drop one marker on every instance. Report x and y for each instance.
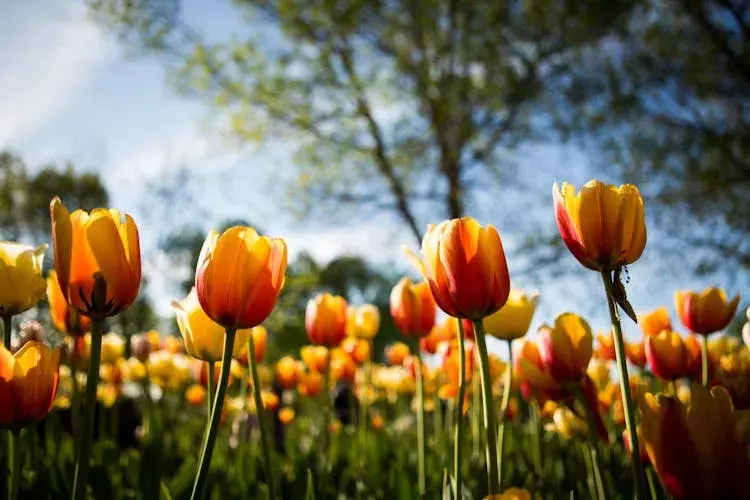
(68, 92)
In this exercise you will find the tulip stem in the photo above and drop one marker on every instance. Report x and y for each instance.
(507, 383)
(458, 434)
(80, 480)
(215, 417)
(14, 458)
(591, 424)
(326, 406)
(210, 382)
(704, 360)
(489, 408)
(259, 411)
(420, 424)
(534, 410)
(7, 330)
(622, 369)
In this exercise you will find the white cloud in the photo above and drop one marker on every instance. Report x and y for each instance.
(48, 50)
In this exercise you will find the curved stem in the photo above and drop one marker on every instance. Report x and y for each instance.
(704, 360)
(622, 369)
(260, 413)
(213, 427)
(507, 383)
(458, 434)
(420, 425)
(92, 381)
(7, 330)
(14, 457)
(489, 408)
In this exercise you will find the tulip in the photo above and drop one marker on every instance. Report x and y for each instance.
(466, 268)
(746, 329)
(310, 384)
(533, 378)
(357, 349)
(412, 307)
(365, 321)
(695, 450)
(65, 318)
(140, 346)
(28, 384)
(342, 366)
(511, 494)
(566, 348)
(603, 226)
(174, 345)
(21, 278)
(315, 357)
(28, 387)
(238, 279)
(396, 353)
(666, 355)
(286, 416)
(239, 276)
(636, 353)
(287, 372)
(204, 338)
(706, 312)
(655, 322)
(513, 319)
(606, 347)
(195, 395)
(325, 319)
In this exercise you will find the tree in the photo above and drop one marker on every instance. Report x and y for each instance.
(669, 103)
(405, 106)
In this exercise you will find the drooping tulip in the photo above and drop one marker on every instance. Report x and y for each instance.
(603, 226)
(21, 277)
(413, 308)
(325, 319)
(28, 384)
(97, 258)
(239, 276)
(204, 338)
(466, 268)
(705, 312)
(512, 321)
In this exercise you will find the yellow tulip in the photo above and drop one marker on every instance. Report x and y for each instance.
(566, 348)
(204, 339)
(513, 319)
(22, 285)
(97, 258)
(706, 312)
(366, 321)
(603, 226)
(655, 322)
(511, 494)
(566, 423)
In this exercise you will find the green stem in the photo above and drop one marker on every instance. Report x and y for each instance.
(213, 427)
(14, 458)
(507, 383)
(7, 330)
(420, 425)
(260, 413)
(438, 428)
(458, 434)
(537, 449)
(591, 424)
(590, 480)
(326, 404)
(704, 360)
(80, 480)
(210, 383)
(489, 409)
(476, 409)
(652, 484)
(622, 368)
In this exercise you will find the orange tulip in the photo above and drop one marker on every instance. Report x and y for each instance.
(239, 276)
(695, 450)
(396, 353)
(466, 268)
(97, 257)
(325, 319)
(174, 345)
(310, 384)
(412, 307)
(606, 348)
(286, 416)
(636, 353)
(342, 366)
(287, 372)
(694, 358)
(603, 226)
(315, 357)
(28, 384)
(259, 336)
(195, 395)
(532, 377)
(655, 322)
(65, 318)
(666, 355)
(566, 348)
(357, 349)
(706, 312)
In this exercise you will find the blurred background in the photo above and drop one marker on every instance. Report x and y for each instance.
(346, 127)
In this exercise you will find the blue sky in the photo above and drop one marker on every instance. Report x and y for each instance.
(69, 93)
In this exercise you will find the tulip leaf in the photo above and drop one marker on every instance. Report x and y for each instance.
(621, 297)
